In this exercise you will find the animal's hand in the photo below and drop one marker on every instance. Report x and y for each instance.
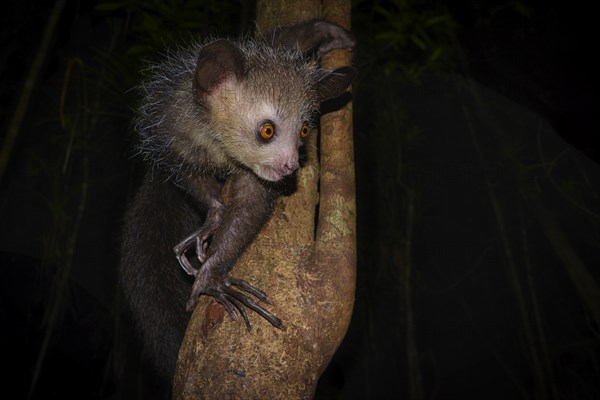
(211, 282)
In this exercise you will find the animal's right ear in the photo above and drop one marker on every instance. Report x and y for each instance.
(334, 83)
(217, 61)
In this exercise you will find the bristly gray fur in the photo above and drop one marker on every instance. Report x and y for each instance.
(170, 115)
(212, 112)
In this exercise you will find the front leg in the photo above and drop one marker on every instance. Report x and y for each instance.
(205, 192)
(248, 208)
(200, 239)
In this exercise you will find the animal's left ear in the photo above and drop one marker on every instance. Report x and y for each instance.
(217, 62)
(334, 83)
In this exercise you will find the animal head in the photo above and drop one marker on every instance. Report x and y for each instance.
(263, 101)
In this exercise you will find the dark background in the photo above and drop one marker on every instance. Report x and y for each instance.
(474, 146)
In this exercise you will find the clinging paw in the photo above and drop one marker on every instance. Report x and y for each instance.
(224, 289)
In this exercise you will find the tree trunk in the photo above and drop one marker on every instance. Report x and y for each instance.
(308, 272)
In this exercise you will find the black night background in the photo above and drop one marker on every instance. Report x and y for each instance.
(477, 192)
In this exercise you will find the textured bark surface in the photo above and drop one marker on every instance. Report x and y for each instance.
(311, 279)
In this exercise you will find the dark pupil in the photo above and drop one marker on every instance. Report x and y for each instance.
(268, 131)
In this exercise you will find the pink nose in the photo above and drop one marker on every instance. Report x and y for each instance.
(290, 167)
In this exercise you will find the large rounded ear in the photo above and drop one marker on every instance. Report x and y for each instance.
(314, 36)
(217, 61)
(334, 83)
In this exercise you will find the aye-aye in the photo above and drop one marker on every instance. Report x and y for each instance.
(220, 111)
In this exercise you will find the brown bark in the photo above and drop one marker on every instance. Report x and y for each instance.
(310, 279)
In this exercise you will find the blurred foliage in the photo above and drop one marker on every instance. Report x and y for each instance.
(85, 111)
(154, 24)
(80, 126)
(144, 29)
(79, 137)
(400, 41)
(404, 38)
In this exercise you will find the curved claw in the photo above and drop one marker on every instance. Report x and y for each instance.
(222, 299)
(220, 287)
(242, 310)
(245, 286)
(251, 304)
(200, 239)
(180, 250)
(201, 246)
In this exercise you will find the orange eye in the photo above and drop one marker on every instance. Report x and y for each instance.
(304, 131)
(267, 131)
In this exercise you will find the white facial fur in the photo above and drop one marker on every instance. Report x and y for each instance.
(238, 113)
